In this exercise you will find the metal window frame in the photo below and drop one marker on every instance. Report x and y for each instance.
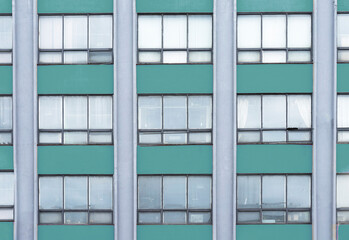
(63, 210)
(12, 206)
(7, 50)
(162, 49)
(62, 130)
(8, 130)
(286, 209)
(286, 49)
(287, 129)
(88, 50)
(161, 210)
(162, 131)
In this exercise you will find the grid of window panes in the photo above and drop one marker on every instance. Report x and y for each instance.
(5, 120)
(273, 199)
(271, 118)
(343, 37)
(5, 39)
(172, 199)
(75, 119)
(175, 119)
(76, 200)
(274, 38)
(76, 39)
(175, 38)
(343, 198)
(343, 118)
(7, 194)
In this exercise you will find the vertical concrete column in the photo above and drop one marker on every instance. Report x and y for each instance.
(324, 120)
(124, 121)
(24, 118)
(224, 144)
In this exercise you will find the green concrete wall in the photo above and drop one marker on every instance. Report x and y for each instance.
(342, 158)
(274, 232)
(174, 78)
(343, 77)
(69, 232)
(275, 5)
(5, 78)
(6, 158)
(75, 6)
(343, 232)
(174, 232)
(75, 79)
(162, 6)
(5, 6)
(190, 159)
(342, 5)
(275, 78)
(75, 160)
(6, 230)
(274, 159)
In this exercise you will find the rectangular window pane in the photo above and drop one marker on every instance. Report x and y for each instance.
(343, 111)
(50, 57)
(149, 31)
(5, 32)
(149, 57)
(175, 31)
(150, 112)
(343, 55)
(299, 136)
(274, 56)
(175, 138)
(274, 111)
(100, 112)
(50, 193)
(101, 192)
(174, 57)
(5, 57)
(175, 190)
(342, 191)
(50, 138)
(50, 112)
(149, 217)
(75, 138)
(50, 32)
(75, 112)
(249, 217)
(75, 217)
(75, 57)
(175, 217)
(100, 31)
(274, 31)
(50, 218)
(249, 31)
(249, 191)
(7, 191)
(200, 138)
(298, 191)
(274, 192)
(101, 137)
(343, 136)
(100, 57)
(299, 111)
(175, 112)
(75, 193)
(5, 112)
(199, 192)
(149, 192)
(249, 56)
(273, 217)
(299, 56)
(298, 217)
(75, 32)
(249, 111)
(200, 31)
(299, 31)
(150, 138)
(247, 137)
(200, 56)
(199, 217)
(200, 112)
(343, 30)
(5, 138)
(274, 136)
(101, 218)
(343, 216)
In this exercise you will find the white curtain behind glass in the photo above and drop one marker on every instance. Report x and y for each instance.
(343, 111)
(299, 111)
(100, 30)
(175, 31)
(50, 32)
(100, 112)
(249, 111)
(75, 112)
(5, 112)
(5, 32)
(249, 191)
(200, 31)
(75, 32)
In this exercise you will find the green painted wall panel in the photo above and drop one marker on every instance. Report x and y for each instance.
(275, 78)
(174, 232)
(6, 158)
(343, 232)
(274, 159)
(274, 232)
(342, 5)
(193, 159)
(6, 230)
(162, 6)
(5, 6)
(174, 78)
(81, 232)
(75, 79)
(343, 158)
(75, 6)
(5, 79)
(343, 77)
(75, 159)
(275, 6)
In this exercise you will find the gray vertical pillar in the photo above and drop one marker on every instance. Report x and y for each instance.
(124, 119)
(324, 120)
(224, 145)
(24, 95)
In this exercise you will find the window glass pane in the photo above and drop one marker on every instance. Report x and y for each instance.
(299, 31)
(298, 191)
(100, 112)
(50, 192)
(149, 217)
(50, 57)
(75, 217)
(5, 112)
(50, 32)
(274, 31)
(274, 192)
(149, 112)
(200, 138)
(5, 32)
(249, 57)
(101, 218)
(200, 56)
(343, 55)
(45, 137)
(175, 31)
(274, 56)
(6, 214)
(249, 111)
(249, 217)
(175, 138)
(101, 192)
(273, 217)
(175, 217)
(274, 111)
(343, 216)
(249, 31)
(342, 191)
(101, 137)
(75, 32)
(5, 57)
(343, 111)
(274, 136)
(149, 192)
(299, 56)
(249, 191)
(75, 57)
(175, 189)
(200, 31)
(200, 112)
(199, 217)
(7, 191)
(149, 57)
(150, 138)
(246, 137)
(199, 195)
(299, 136)
(5, 138)
(343, 136)
(100, 57)
(75, 192)
(100, 30)
(51, 218)
(299, 111)
(75, 138)
(175, 112)
(342, 30)
(149, 31)
(298, 217)
(75, 112)
(50, 112)
(174, 56)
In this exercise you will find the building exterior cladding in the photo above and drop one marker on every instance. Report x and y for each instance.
(174, 119)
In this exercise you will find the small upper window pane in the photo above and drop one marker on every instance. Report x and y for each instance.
(75, 32)
(149, 31)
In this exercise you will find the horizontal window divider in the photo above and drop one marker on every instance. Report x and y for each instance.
(175, 210)
(73, 14)
(274, 209)
(6, 50)
(273, 13)
(274, 49)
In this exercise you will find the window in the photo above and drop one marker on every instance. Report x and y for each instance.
(271, 199)
(175, 119)
(5, 120)
(7, 195)
(343, 37)
(75, 200)
(174, 199)
(343, 118)
(75, 119)
(5, 39)
(342, 198)
(283, 118)
(274, 38)
(75, 39)
(180, 38)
